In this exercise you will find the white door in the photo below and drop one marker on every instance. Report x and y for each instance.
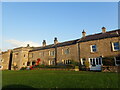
(95, 63)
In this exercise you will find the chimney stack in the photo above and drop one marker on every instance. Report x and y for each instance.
(28, 45)
(103, 29)
(55, 40)
(83, 33)
(44, 43)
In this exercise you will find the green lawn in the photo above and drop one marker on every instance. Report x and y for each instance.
(59, 79)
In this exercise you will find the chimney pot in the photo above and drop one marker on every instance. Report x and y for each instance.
(28, 45)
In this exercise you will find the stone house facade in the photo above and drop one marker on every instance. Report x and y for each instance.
(5, 62)
(91, 48)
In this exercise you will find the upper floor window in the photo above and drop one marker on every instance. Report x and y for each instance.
(93, 48)
(62, 51)
(24, 56)
(2, 60)
(32, 55)
(43, 53)
(67, 51)
(116, 46)
(51, 53)
(15, 55)
(40, 53)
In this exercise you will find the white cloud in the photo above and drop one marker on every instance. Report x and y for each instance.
(16, 43)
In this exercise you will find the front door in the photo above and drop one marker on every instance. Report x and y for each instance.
(95, 63)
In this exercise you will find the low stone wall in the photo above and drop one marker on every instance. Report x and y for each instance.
(111, 69)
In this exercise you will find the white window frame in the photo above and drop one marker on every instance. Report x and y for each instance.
(82, 61)
(51, 62)
(99, 61)
(115, 62)
(67, 62)
(51, 53)
(1, 67)
(93, 48)
(113, 47)
(67, 51)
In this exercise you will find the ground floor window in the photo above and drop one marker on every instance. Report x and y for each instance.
(1, 66)
(117, 61)
(28, 63)
(51, 62)
(67, 62)
(33, 63)
(83, 61)
(95, 61)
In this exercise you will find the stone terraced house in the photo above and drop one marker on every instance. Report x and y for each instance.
(90, 48)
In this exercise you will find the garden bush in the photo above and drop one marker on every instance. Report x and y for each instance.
(108, 61)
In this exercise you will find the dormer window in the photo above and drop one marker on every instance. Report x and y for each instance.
(93, 48)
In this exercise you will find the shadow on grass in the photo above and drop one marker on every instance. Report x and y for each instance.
(20, 87)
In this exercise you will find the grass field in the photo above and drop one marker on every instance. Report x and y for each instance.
(59, 79)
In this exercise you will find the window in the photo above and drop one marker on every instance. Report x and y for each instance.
(116, 46)
(2, 60)
(51, 62)
(43, 53)
(67, 61)
(67, 51)
(33, 62)
(24, 55)
(83, 61)
(23, 63)
(93, 48)
(28, 63)
(32, 55)
(62, 51)
(1, 67)
(117, 61)
(51, 53)
(40, 53)
(95, 61)
(15, 55)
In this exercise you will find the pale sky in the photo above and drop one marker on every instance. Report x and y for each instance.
(33, 22)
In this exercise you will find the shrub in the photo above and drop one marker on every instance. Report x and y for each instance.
(74, 63)
(23, 68)
(82, 67)
(108, 61)
(86, 64)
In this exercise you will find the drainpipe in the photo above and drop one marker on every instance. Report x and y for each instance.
(55, 54)
(79, 53)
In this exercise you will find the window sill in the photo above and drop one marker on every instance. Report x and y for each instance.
(93, 52)
(116, 50)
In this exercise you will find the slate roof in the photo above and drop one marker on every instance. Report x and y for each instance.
(110, 34)
(57, 45)
(114, 33)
